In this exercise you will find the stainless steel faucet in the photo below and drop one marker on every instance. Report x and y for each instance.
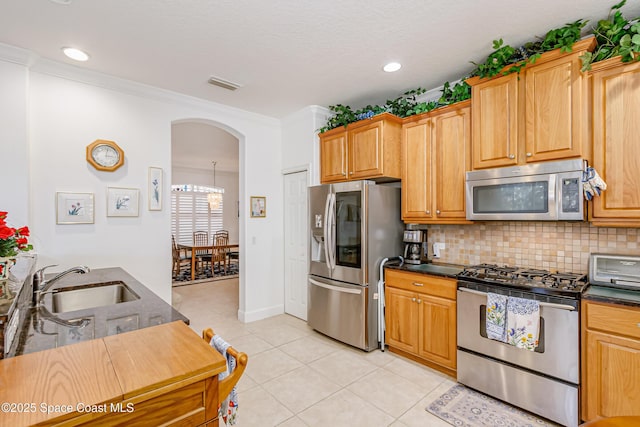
(41, 286)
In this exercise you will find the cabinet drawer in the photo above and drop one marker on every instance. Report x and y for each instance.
(423, 283)
(617, 320)
(179, 408)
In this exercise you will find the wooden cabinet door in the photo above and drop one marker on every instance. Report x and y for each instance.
(417, 173)
(452, 159)
(401, 314)
(555, 110)
(365, 151)
(611, 382)
(333, 157)
(437, 340)
(495, 122)
(616, 141)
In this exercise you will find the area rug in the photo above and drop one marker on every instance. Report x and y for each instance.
(463, 407)
(176, 284)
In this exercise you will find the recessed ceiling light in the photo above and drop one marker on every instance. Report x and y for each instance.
(75, 54)
(392, 66)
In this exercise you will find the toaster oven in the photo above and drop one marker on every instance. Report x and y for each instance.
(616, 271)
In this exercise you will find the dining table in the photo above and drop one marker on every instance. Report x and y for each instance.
(194, 248)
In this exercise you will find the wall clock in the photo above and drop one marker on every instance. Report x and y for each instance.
(105, 155)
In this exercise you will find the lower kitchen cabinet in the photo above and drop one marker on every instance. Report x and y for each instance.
(420, 318)
(610, 360)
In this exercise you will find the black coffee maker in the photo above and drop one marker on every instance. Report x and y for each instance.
(415, 246)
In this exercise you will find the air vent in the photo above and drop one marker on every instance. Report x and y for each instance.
(217, 81)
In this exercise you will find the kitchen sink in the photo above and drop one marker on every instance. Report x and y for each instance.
(91, 296)
(435, 269)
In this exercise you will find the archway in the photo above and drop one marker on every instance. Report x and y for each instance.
(195, 144)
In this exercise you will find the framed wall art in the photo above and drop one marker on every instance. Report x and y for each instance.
(74, 208)
(122, 201)
(258, 206)
(155, 189)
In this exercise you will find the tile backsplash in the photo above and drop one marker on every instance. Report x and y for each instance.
(554, 246)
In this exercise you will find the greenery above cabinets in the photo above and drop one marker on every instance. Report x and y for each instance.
(615, 36)
(560, 38)
(405, 105)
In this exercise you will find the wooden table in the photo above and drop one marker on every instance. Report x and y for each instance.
(163, 374)
(193, 248)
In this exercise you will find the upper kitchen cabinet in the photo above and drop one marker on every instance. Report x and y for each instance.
(536, 115)
(495, 121)
(616, 142)
(368, 149)
(435, 156)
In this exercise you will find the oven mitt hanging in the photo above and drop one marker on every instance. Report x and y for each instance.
(592, 184)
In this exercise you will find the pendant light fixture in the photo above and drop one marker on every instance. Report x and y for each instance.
(214, 198)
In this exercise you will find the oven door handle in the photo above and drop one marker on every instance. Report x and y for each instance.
(542, 304)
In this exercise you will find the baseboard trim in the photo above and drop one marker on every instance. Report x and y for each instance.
(252, 316)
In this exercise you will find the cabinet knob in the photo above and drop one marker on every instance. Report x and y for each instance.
(428, 212)
(512, 156)
(417, 284)
(344, 174)
(529, 154)
(419, 301)
(413, 299)
(438, 212)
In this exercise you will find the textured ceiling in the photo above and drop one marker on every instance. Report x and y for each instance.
(286, 54)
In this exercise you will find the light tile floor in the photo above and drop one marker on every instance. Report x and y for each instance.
(298, 377)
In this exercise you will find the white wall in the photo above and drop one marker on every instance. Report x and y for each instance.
(227, 180)
(14, 153)
(68, 108)
(300, 145)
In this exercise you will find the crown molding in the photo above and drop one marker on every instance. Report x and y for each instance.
(36, 64)
(17, 55)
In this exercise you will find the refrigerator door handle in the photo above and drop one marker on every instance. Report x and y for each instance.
(326, 231)
(335, 288)
(332, 230)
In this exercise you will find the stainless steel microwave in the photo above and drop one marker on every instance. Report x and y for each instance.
(546, 191)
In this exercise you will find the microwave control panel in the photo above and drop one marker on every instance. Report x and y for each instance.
(571, 195)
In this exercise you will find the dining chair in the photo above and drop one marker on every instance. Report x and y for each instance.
(201, 238)
(219, 252)
(221, 233)
(180, 258)
(224, 233)
(226, 385)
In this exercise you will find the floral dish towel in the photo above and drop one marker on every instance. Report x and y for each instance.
(496, 316)
(228, 410)
(523, 323)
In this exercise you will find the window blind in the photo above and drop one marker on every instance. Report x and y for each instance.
(190, 212)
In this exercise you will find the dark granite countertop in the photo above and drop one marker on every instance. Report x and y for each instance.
(443, 270)
(41, 333)
(612, 295)
(9, 290)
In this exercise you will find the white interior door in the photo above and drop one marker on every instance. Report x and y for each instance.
(295, 244)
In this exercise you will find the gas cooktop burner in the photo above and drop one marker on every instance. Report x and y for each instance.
(541, 281)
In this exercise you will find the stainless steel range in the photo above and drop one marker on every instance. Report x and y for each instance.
(544, 381)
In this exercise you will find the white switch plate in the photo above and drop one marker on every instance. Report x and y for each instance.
(437, 247)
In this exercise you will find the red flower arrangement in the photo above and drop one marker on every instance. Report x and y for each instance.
(12, 240)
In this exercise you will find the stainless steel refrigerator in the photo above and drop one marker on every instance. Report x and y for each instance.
(353, 227)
